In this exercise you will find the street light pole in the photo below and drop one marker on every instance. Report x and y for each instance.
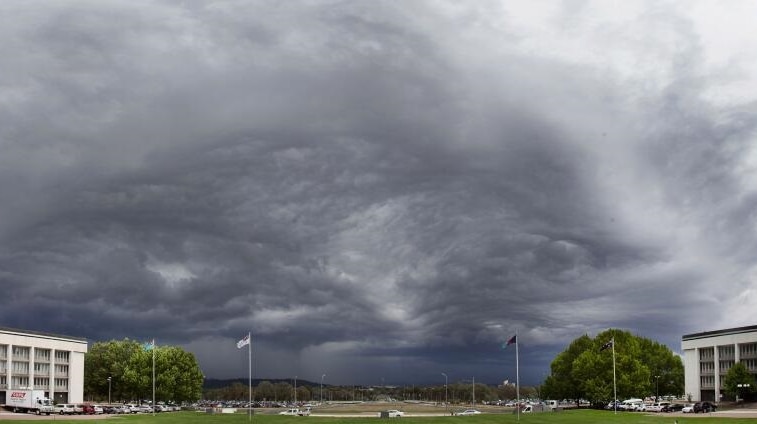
(445, 392)
(744, 386)
(295, 390)
(109, 379)
(324, 375)
(657, 390)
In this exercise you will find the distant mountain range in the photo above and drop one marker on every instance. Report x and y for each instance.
(213, 383)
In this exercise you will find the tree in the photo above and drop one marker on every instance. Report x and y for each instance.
(562, 383)
(739, 375)
(178, 376)
(585, 371)
(108, 359)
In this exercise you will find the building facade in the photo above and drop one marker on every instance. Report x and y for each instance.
(708, 356)
(42, 361)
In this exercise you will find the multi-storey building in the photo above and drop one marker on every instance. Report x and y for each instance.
(708, 356)
(42, 361)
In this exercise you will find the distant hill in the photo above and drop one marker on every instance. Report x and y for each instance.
(213, 383)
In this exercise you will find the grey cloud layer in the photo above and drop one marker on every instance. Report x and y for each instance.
(362, 182)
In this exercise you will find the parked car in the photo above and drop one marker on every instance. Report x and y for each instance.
(78, 408)
(673, 407)
(468, 412)
(290, 411)
(704, 407)
(393, 413)
(145, 409)
(64, 409)
(689, 408)
(658, 407)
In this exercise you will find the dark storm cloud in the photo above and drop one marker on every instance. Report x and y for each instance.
(375, 190)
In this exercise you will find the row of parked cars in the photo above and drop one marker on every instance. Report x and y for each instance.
(91, 409)
(637, 405)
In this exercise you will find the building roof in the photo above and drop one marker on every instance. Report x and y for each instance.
(726, 332)
(41, 334)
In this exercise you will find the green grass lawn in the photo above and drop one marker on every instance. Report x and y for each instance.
(566, 417)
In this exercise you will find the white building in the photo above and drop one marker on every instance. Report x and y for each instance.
(708, 356)
(42, 361)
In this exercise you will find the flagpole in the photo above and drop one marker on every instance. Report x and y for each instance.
(249, 354)
(614, 384)
(153, 377)
(517, 373)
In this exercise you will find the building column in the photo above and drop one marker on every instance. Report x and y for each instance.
(717, 373)
(9, 364)
(32, 360)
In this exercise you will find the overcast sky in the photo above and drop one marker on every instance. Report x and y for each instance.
(380, 191)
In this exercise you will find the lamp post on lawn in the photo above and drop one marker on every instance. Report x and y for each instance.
(295, 390)
(657, 390)
(742, 387)
(109, 379)
(445, 391)
(324, 375)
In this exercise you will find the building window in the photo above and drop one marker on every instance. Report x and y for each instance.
(41, 368)
(3, 351)
(20, 367)
(21, 352)
(61, 383)
(706, 354)
(748, 350)
(42, 355)
(61, 370)
(18, 382)
(61, 356)
(726, 352)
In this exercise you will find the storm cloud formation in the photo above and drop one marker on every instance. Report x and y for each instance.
(380, 191)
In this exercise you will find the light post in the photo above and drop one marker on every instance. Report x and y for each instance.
(657, 390)
(295, 390)
(109, 379)
(742, 386)
(445, 391)
(324, 375)
(474, 392)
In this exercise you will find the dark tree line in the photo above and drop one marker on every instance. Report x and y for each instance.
(457, 393)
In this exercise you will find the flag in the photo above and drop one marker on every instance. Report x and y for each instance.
(244, 342)
(607, 345)
(512, 340)
(148, 346)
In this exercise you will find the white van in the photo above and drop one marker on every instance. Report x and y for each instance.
(630, 404)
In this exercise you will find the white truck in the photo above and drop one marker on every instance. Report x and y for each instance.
(28, 401)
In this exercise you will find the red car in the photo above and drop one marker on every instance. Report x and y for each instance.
(87, 409)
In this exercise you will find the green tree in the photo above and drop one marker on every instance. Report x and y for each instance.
(108, 359)
(177, 375)
(264, 391)
(739, 375)
(562, 383)
(585, 371)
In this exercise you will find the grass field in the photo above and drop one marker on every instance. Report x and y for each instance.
(566, 417)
